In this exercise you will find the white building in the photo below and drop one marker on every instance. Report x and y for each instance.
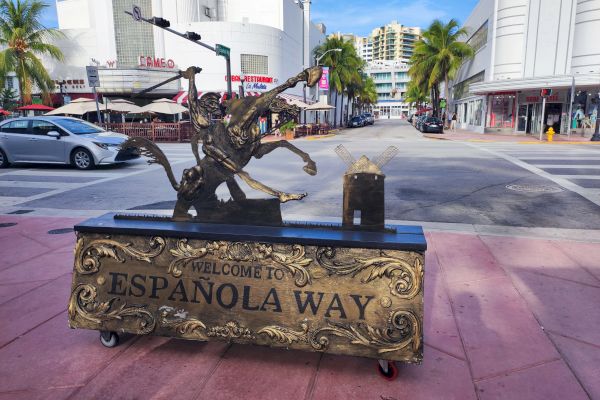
(270, 41)
(523, 46)
(391, 81)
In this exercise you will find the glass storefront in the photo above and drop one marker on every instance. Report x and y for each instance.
(501, 109)
(529, 112)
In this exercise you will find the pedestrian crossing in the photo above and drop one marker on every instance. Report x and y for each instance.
(23, 183)
(574, 167)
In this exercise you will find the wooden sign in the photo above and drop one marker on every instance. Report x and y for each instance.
(336, 299)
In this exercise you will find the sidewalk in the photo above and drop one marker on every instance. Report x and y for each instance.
(468, 136)
(505, 318)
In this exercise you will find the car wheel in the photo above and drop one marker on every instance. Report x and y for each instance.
(3, 159)
(82, 159)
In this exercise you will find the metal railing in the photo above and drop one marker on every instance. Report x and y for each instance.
(155, 131)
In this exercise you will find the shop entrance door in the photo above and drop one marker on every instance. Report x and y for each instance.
(535, 118)
(552, 116)
(522, 118)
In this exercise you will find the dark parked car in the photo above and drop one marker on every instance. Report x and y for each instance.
(356, 121)
(370, 120)
(419, 122)
(432, 125)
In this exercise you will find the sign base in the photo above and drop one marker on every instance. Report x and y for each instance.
(308, 288)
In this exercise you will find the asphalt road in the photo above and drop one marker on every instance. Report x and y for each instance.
(429, 180)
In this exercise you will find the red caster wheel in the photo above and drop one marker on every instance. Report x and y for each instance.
(387, 369)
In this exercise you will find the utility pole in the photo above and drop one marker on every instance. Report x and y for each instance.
(193, 37)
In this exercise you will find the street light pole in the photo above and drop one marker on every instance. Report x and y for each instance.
(337, 50)
(193, 37)
(317, 60)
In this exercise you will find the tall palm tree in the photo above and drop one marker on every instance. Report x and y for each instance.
(438, 56)
(344, 66)
(25, 39)
(367, 94)
(416, 95)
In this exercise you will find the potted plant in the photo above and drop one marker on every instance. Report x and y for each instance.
(288, 130)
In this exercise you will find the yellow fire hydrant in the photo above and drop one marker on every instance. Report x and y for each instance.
(550, 134)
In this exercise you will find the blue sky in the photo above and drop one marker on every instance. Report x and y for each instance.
(360, 17)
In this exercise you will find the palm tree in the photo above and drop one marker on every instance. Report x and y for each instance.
(368, 92)
(24, 40)
(438, 56)
(416, 95)
(344, 66)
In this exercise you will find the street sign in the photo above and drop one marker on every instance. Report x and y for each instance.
(545, 92)
(92, 76)
(221, 50)
(137, 13)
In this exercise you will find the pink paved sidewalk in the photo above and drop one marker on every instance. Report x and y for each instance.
(463, 135)
(505, 318)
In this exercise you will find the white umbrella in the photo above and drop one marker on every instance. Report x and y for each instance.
(76, 107)
(319, 107)
(298, 103)
(164, 106)
(123, 106)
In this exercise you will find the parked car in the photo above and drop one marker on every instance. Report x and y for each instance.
(60, 140)
(432, 125)
(356, 121)
(370, 120)
(419, 122)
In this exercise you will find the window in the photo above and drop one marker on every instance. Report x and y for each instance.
(10, 83)
(479, 38)
(39, 127)
(382, 76)
(255, 64)
(461, 89)
(18, 126)
(501, 111)
(78, 127)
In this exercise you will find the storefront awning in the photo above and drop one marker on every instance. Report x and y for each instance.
(552, 82)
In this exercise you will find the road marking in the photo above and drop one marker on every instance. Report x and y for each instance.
(585, 193)
(37, 185)
(568, 166)
(578, 176)
(13, 201)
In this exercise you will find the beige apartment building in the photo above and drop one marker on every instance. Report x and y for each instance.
(394, 41)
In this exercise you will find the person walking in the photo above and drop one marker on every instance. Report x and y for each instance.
(453, 122)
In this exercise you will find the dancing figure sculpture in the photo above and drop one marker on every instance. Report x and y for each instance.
(228, 147)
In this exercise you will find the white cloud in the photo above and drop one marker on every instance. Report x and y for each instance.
(361, 18)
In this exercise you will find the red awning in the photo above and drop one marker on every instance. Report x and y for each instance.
(35, 107)
(4, 112)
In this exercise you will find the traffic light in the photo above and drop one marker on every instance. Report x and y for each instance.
(546, 92)
(160, 22)
(192, 36)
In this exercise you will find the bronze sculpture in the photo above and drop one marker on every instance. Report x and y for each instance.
(228, 147)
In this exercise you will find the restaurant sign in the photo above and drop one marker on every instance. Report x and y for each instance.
(156, 62)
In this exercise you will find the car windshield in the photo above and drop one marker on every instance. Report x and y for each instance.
(78, 127)
(434, 120)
